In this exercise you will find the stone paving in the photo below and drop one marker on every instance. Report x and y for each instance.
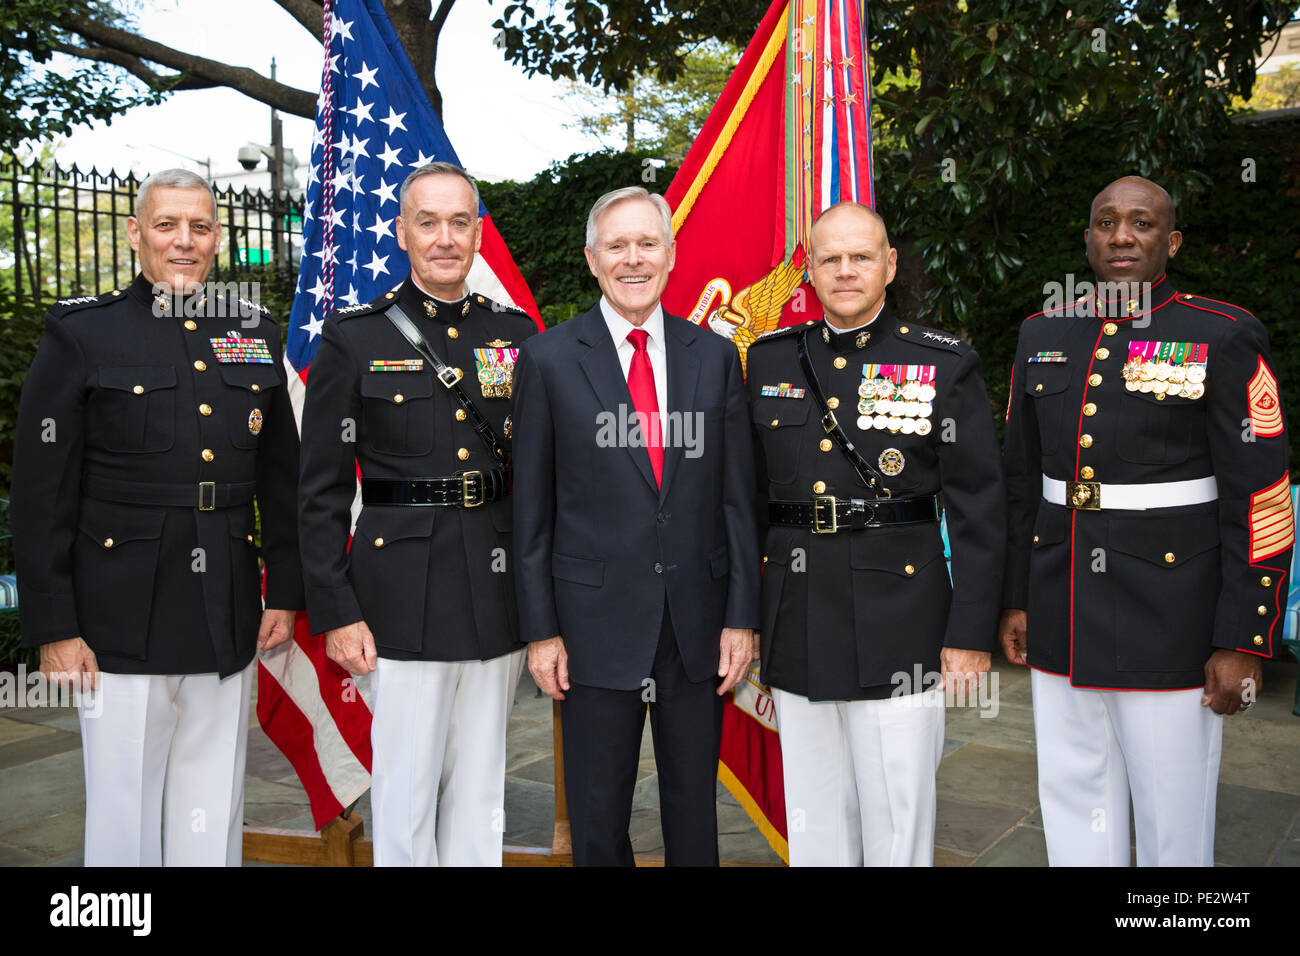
(988, 803)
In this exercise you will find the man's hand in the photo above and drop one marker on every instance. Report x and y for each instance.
(963, 669)
(548, 662)
(275, 629)
(353, 647)
(1011, 635)
(1232, 681)
(71, 661)
(735, 651)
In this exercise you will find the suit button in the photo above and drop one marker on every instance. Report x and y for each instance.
(191, 325)
(832, 402)
(819, 487)
(1266, 581)
(460, 415)
(1169, 557)
(1110, 328)
(207, 454)
(205, 409)
(108, 542)
(1258, 640)
(379, 542)
(1261, 610)
(200, 365)
(452, 333)
(840, 361)
(138, 389)
(826, 444)
(1085, 441)
(660, 518)
(910, 569)
(1103, 353)
(1086, 472)
(1094, 379)
(1090, 409)
(659, 568)
(399, 398)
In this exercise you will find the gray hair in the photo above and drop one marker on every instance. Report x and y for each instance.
(623, 195)
(173, 179)
(436, 169)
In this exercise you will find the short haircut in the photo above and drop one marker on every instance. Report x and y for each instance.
(623, 195)
(173, 179)
(849, 204)
(436, 169)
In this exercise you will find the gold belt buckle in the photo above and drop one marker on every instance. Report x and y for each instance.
(207, 496)
(465, 480)
(819, 526)
(1083, 495)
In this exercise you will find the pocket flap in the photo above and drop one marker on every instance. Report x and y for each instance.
(110, 524)
(251, 376)
(895, 552)
(780, 412)
(241, 524)
(578, 570)
(1049, 526)
(1046, 378)
(1165, 542)
(396, 387)
(138, 378)
(778, 545)
(380, 525)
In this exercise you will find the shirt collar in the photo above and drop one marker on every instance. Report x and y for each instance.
(619, 327)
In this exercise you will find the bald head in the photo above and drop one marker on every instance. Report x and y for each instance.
(1145, 185)
(849, 209)
(1131, 235)
(850, 262)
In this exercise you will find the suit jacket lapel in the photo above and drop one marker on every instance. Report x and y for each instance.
(683, 376)
(601, 366)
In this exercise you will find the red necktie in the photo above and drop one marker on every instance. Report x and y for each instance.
(641, 383)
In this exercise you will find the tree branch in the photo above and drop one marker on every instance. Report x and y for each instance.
(171, 82)
(440, 18)
(310, 13)
(249, 82)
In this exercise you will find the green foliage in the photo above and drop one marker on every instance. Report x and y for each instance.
(544, 222)
(11, 655)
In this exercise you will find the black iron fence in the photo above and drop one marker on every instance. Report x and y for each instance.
(63, 232)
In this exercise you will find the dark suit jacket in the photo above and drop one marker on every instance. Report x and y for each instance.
(599, 547)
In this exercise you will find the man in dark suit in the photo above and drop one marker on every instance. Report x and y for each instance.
(151, 418)
(423, 596)
(636, 536)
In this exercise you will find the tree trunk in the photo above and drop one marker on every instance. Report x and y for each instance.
(418, 27)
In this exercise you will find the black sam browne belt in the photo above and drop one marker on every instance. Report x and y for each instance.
(826, 514)
(467, 490)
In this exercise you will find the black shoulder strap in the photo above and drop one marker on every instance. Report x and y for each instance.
(872, 478)
(451, 379)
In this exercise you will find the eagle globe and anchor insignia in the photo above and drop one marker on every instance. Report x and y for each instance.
(753, 311)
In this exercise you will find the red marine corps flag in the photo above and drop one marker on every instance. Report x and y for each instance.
(789, 137)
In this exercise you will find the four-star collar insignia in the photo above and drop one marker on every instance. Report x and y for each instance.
(938, 337)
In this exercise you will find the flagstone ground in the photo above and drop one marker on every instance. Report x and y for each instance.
(988, 803)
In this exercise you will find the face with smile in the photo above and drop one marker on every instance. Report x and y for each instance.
(1131, 234)
(440, 230)
(175, 235)
(850, 263)
(632, 258)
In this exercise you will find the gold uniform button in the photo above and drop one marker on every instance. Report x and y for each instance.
(248, 538)
(819, 487)
(200, 365)
(1035, 539)
(452, 333)
(1085, 441)
(205, 409)
(138, 389)
(379, 542)
(1110, 328)
(459, 373)
(460, 415)
(1103, 353)
(255, 387)
(191, 325)
(207, 454)
(1261, 610)
(826, 444)
(108, 542)
(765, 559)
(1090, 409)
(1094, 379)
(1086, 472)
(399, 398)
(1266, 581)
(775, 422)
(388, 295)
(1038, 387)
(832, 402)
(463, 454)
(840, 361)
(904, 329)
(909, 569)
(1258, 640)
(1169, 557)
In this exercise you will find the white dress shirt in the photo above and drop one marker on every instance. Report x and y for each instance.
(838, 331)
(619, 327)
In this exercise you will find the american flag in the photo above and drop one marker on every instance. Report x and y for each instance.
(374, 125)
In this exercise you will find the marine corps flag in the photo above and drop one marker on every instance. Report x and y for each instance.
(789, 137)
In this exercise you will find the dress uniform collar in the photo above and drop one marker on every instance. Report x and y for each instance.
(165, 303)
(863, 337)
(1122, 303)
(418, 302)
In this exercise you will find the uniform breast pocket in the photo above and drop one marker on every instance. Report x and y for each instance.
(1045, 385)
(250, 390)
(398, 413)
(134, 409)
(779, 424)
(1157, 431)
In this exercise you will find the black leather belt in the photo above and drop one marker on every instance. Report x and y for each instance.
(826, 514)
(467, 490)
(204, 495)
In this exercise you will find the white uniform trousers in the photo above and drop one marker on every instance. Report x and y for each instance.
(1094, 746)
(438, 778)
(860, 778)
(164, 758)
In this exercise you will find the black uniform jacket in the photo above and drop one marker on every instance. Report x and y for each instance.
(1138, 599)
(431, 583)
(601, 548)
(861, 614)
(124, 412)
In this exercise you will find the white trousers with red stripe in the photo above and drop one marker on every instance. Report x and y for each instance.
(860, 778)
(164, 759)
(438, 778)
(1097, 746)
